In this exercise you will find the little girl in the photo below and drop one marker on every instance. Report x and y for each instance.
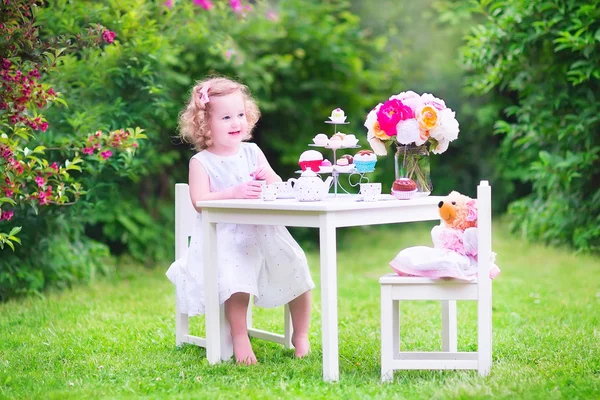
(263, 261)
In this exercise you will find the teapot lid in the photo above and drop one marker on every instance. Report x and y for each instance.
(308, 172)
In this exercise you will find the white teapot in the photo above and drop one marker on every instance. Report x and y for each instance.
(309, 187)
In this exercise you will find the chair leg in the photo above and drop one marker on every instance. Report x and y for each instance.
(226, 341)
(396, 328)
(182, 326)
(484, 335)
(449, 335)
(288, 328)
(387, 351)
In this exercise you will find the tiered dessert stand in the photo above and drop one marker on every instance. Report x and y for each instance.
(336, 170)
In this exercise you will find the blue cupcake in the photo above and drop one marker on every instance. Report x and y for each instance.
(365, 161)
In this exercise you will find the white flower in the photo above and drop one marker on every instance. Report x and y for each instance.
(441, 147)
(378, 146)
(371, 119)
(429, 99)
(408, 131)
(447, 128)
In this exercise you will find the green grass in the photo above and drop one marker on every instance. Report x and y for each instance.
(116, 338)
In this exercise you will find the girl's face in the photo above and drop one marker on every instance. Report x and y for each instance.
(228, 123)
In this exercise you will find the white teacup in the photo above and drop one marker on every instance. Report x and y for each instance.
(284, 190)
(269, 192)
(370, 191)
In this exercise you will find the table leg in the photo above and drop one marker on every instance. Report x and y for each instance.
(211, 290)
(329, 317)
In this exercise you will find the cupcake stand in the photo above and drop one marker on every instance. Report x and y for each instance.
(336, 170)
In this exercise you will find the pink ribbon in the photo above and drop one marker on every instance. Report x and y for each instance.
(204, 95)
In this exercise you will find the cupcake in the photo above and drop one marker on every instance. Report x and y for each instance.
(336, 141)
(343, 164)
(325, 166)
(365, 161)
(310, 159)
(321, 139)
(338, 116)
(350, 141)
(349, 158)
(404, 188)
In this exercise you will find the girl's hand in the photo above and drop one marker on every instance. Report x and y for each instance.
(247, 190)
(261, 172)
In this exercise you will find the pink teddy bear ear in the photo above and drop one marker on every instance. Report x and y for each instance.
(472, 207)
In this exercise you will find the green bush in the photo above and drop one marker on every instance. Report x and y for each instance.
(300, 59)
(543, 58)
(40, 239)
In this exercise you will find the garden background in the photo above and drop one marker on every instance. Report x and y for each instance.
(91, 90)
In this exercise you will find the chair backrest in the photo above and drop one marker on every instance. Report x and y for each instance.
(484, 235)
(185, 215)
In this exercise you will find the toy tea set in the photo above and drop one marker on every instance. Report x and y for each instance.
(310, 186)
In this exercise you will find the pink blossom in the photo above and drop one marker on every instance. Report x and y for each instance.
(6, 63)
(108, 36)
(392, 112)
(51, 92)
(40, 181)
(106, 154)
(43, 198)
(7, 215)
(54, 166)
(206, 4)
(5, 151)
(44, 126)
(9, 192)
(88, 150)
(168, 3)
(236, 6)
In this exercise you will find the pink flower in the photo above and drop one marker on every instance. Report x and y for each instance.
(392, 112)
(8, 192)
(206, 4)
(169, 3)
(43, 126)
(5, 151)
(51, 92)
(108, 36)
(236, 6)
(7, 215)
(40, 181)
(54, 166)
(43, 198)
(106, 154)
(6, 63)
(88, 150)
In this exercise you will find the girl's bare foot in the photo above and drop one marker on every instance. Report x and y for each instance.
(242, 349)
(301, 343)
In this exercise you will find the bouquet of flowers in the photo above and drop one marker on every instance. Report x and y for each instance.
(412, 120)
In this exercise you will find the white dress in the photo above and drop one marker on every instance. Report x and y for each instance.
(264, 261)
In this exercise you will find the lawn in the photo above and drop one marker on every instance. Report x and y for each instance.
(116, 338)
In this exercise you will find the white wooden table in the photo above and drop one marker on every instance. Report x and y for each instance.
(328, 215)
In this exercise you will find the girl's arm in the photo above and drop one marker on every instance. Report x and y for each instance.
(200, 187)
(264, 171)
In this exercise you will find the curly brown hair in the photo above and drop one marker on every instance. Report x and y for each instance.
(194, 127)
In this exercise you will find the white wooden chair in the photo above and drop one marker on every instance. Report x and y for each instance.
(185, 216)
(395, 288)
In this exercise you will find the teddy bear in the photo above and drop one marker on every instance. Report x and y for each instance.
(454, 252)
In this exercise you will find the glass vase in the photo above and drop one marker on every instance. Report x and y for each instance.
(412, 162)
